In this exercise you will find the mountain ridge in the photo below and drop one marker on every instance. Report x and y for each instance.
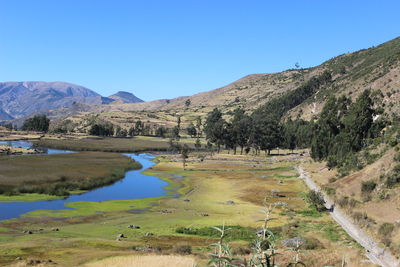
(21, 99)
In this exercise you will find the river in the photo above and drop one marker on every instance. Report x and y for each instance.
(134, 185)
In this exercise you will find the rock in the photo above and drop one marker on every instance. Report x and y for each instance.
(29, 232)
(166, 211)
(149, 234)
(293, 242)
(148, 249)
(230, 202)
(55, 229)
(18, 258)
(204, 214)
(186, 200)
(132, 226)
(121, 236)
(280, 203)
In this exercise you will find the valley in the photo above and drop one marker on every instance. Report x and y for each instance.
(86, 180)
(215, 190)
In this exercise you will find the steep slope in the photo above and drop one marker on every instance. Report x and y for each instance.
(125, 97)
(19, 99)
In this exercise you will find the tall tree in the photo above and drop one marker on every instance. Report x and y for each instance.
(241, 129)
(215, 128)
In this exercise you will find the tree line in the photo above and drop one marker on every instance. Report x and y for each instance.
(344, 127)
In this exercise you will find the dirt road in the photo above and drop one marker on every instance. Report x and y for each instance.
(375, 253)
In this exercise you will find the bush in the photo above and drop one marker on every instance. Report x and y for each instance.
(183, 249)
(330, 190)
(312, 243)
(343, 201)
(386, 229)
(317, 199)
(367, 186)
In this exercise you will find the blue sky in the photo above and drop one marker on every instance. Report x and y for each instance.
(165, 49)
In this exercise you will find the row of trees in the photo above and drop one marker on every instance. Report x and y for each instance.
(344, 127)
(258, 131)
(36, 123)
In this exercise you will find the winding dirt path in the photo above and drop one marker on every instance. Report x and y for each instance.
(376, 254)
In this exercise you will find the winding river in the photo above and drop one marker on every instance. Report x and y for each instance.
(134, 185)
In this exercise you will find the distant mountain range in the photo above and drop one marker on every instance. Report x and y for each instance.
(20, 99)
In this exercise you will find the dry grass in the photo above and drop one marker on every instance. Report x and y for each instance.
(145, 261)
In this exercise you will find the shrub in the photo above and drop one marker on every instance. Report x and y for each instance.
(183, 249)
(330, 190)
(312, 243)
(343, 201)
(386, 229)
(317, 199)
(367, 186)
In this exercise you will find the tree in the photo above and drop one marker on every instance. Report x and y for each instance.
(359, 120)
(175, 133)
(241, 129)
(316, 199)
(266, 132)
(185, 150)
(215, 128)
(119, 132)
(106, 129)
(198, 125)
(139, 126)
(37, 123)
(8, 126)
(197, 145)
(160, 132)
(191, 130)
(188, 102)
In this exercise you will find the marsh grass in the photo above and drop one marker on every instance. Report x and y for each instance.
(60, 174)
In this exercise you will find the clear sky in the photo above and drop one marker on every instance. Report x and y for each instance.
(165, 49)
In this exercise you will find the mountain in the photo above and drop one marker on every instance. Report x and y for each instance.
(125, 97)
(4, 115)
(19, 99)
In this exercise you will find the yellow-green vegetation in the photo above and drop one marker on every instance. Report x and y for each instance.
(60, 174)
(220, 189)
